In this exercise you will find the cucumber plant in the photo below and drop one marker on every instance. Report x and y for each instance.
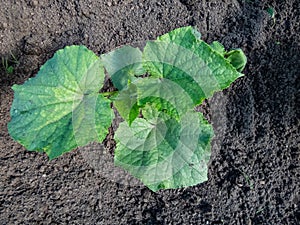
(162, 140)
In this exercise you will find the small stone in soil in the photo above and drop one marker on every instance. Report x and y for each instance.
(35, 3)
(4, 25)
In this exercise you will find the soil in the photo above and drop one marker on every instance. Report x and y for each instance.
(254, 172)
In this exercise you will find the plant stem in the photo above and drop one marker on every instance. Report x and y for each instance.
(108, 93)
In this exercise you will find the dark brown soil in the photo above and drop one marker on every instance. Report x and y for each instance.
(254, 173)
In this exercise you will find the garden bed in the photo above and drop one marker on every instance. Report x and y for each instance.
(254, 174)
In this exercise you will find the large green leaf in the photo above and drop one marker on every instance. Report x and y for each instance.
(162, 152)
(61, 107)
(200, 69)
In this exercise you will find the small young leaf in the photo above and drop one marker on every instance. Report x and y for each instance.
(126, 103)
(237, 59)
(61, 107)
(123, 64)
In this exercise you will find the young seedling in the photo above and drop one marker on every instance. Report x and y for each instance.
(8, 64)
(247, 178)
(162, 140)
(271, 11)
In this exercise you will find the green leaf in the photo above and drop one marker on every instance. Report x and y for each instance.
(164, 153)
(122, 65)
(180, 56)
(61, 107)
